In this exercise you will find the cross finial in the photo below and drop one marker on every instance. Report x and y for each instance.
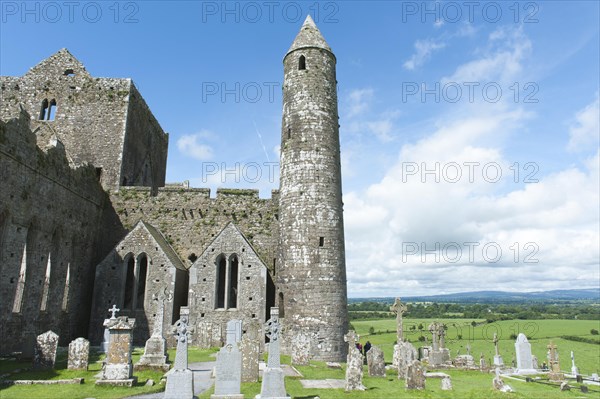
(113, 310)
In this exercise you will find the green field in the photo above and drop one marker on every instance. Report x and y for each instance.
(538, 332)
(467, 384)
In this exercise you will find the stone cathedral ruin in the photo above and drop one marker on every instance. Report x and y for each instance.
(87, 221)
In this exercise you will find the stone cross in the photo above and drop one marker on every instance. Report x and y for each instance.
(552, 357)
(442, 335)
(351, 338)
(495, 341)
(272, 328)
(433, 329)
(398, 308)
(182, 332)
(114, 311)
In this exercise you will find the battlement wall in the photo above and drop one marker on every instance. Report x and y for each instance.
(190, 219)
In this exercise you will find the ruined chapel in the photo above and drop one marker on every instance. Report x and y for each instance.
(87, 221)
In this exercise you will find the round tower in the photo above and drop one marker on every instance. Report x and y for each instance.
(311, 273)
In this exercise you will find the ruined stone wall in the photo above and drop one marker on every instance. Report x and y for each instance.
(190, 219)
(246, 282)
(162, 278)
(311, 279)
(90, 117)
(49, 211)
(145, 152)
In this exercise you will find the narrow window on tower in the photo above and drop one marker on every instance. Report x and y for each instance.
(302, 63)
(289, 132)
(321, 241)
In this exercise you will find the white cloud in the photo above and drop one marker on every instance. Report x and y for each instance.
(358, 101)
(554, 222)
(585, 132)
(191, 145)
(548, 231)
(501, 61)
(424, 49)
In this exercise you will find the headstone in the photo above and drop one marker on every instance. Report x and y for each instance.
(595, 377)
(464, 361)
(273, 386)
(482, 365)
(354, 364)
(228, 372)
(376, 362)
(398, 308)
(415, 375)
(564, 386)
(574, 369)
(301, 349)
(250, 348)
(555, 373)
(406, 353)
(44, 353)
(79, 352)
(446, 384)
(534, 362)
(118, 368)
(155, 350)
(180, 380)
(497, 358)
(524, 356)
(233, 332)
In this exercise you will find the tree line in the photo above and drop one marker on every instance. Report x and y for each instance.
(489, 312)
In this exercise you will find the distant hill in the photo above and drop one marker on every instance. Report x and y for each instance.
(587, 295)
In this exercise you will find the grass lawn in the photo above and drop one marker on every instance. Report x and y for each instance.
(466, 384)
(88, 389)
(539, 334)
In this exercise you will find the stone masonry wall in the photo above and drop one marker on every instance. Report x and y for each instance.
(48, 210)
(190, 219)
(162, 277)
(90, 118)
(312, 276)
(211, 319)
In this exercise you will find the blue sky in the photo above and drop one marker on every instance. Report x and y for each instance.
(406, 71)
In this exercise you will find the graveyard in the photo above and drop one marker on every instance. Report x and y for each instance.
(462, 337)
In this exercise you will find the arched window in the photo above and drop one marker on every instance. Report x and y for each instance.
(221, 281)
(302, 63)
(129, 281)
(44, 109)
(141, 286)
(227, 282)
(233, 281)
(47, 110)
(281, 305)
(51, 107)
(27, 260)
(65, 301)
(46, 287)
